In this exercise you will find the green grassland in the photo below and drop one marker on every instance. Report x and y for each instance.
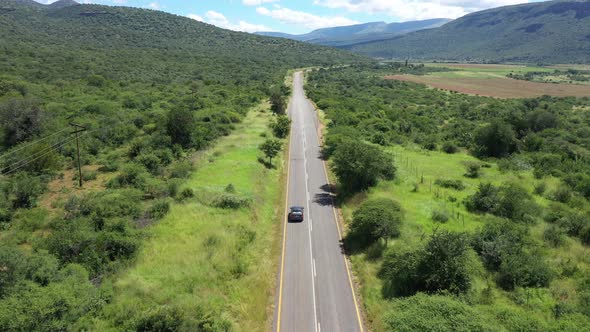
(204, 258)
(418, 226)
(495, 71)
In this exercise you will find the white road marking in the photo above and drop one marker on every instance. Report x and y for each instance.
(315, 315)
(319, 327)
(314, 269)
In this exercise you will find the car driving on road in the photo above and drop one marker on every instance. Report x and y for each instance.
(296, 213)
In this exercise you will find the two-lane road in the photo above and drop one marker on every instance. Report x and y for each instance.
(315, 289)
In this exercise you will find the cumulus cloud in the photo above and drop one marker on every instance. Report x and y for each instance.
(416, 9)
(219, 20)
(257, 2)
(311, 21)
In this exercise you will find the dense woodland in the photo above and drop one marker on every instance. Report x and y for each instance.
(433, 280)
(150, 89)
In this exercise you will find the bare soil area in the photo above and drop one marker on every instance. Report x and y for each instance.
(498, 87)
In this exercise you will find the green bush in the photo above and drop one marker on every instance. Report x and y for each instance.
(230, 201)
(473, 169)
(24, 190)
(441, 216)
(434, 313)
(509, 201)
(378, 218)
(540, 188)
(131, 175)
(159, 209)
(440, 266)
(186, 193)
(161, 319)
(181, 170)
(585, 235)
(449, 183)
(449, 147)
(359, 165)
(554, 235)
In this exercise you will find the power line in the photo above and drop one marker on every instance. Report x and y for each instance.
(48, 152)
(31, 143)
(21, 163)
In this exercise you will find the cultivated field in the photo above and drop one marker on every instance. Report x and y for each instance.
(490, 80)
(497, 87)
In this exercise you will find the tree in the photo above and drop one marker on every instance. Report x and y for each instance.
(271, 148)
(376, 219)
(278, 104)
(359, 165)
(20, 120)
(281, 126)
(180, 126)
(495, 140)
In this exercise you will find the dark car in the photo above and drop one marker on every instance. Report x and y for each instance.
(296, 213)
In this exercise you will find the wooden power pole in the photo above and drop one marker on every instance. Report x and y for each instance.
(78, 129)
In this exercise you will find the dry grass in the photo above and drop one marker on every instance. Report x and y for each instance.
(497, 87)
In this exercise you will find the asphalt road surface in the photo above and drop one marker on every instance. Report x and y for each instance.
(315, 290)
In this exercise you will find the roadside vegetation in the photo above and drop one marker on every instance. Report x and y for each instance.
(491, 214)
(159, 191)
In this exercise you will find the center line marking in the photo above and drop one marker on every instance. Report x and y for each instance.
(314, 269)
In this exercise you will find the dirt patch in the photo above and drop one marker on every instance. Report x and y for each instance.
(59, 189)
(498, 87)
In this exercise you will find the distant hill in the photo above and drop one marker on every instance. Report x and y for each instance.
(65, 38)
(545, 32)
(354, 34)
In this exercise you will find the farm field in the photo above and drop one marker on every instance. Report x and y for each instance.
(200, 259)
(497, 87)
(491, 81)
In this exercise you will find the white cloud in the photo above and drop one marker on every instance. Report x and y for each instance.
(154, 5)
(195, 17)
(257, 2)
(219, 20)
(416, 9)
(289, 16)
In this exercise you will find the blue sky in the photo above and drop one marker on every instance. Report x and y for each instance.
(300, 16)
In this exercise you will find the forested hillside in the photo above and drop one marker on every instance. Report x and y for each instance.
(539, 32)
(359, 33)
(149, 89)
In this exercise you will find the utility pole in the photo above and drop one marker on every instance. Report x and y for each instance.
(78, 129)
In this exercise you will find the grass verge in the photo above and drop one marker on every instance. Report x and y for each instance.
(199, 257)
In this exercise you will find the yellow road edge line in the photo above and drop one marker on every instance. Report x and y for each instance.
(356, 306)
(284, 232)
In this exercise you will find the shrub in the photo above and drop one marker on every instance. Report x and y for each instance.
(186, 193)
(441, 216)
(376, 219)
(509, 201)
(230, 201)
(20, 120)
(524, 270)
(540, 188)
(230, 189)
(440, 266)
(434, 313)
(554, 235)
(449, 147)
(131, 175)
(24, 190)
(585, 235)
(562, 194)
(162, 319)
(180, 126)
(359, 165)
(151, 162)
(159, 209)
(448, 183)
(473, 169)
(484, 200)
(181, 170)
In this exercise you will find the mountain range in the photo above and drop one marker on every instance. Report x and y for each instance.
(359, 33)
(542, 32)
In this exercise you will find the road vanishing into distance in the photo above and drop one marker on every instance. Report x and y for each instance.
(315, 289)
